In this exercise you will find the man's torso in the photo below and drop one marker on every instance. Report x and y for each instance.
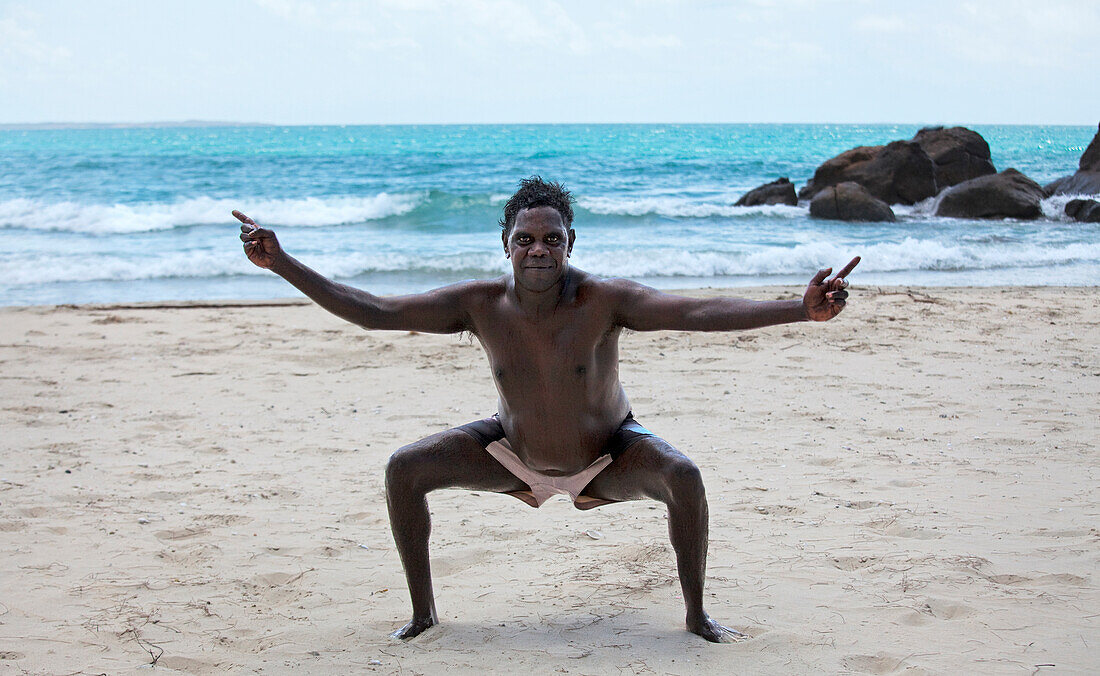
(557, 373)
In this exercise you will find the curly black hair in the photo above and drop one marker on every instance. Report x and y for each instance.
(535, 192)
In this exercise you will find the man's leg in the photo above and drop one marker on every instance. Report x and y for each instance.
(652, 468)
(451, 459)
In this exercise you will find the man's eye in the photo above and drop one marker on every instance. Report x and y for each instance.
(552, 238)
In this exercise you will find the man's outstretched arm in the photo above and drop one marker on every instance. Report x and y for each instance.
(642, 308)
(438, 311)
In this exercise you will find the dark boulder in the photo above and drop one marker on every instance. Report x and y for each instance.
(1090, 159)
(1008, 194)
(1087, 179)
(849, 201)
(1086, 211)
(837, 169)
(959, 154)
(899, 172)
(1081, 183)
(780, 191)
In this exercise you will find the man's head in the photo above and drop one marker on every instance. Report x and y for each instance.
(536, 233)
(535, 192)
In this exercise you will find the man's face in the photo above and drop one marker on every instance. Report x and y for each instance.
(539, 246)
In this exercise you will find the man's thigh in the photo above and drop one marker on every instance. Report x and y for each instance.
(450, 459)
(641, 472)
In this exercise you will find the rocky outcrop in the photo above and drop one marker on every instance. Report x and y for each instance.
(1087, 179)
(900, 172)
(1081, 183)
(1090, 159)
(959, 154)
(1086, 211)
(838, 169)
(780, 191)
(1008, 194)
(849, 201)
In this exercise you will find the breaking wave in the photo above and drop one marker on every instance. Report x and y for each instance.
(144, 217)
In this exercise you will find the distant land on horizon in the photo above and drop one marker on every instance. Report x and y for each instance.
(19, 126)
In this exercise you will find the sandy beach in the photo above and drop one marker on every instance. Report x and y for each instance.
(911, 488)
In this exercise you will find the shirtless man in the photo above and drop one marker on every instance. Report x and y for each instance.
(564, 425)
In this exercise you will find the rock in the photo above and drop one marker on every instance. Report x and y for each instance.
(836, 169)
(1087, 179)
(1008, 194)
(1081, 183)
(899, 172)
(780, 191)
(849, 201)
(1090, 159)
(1086, 211)
(959, 154)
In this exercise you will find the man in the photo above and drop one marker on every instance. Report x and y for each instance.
(564, 425)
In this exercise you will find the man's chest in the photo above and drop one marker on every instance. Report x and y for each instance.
(559, 341)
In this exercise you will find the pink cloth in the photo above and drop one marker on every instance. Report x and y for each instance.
(543, 487)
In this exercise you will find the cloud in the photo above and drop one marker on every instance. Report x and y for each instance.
(394, 23)
(880, 24)
(20, 46)
(618, 38)
(371, 24)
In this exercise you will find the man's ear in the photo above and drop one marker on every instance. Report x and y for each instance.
(504, 240)
(572, 239)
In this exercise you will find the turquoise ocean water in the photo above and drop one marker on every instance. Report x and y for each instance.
(138, 214)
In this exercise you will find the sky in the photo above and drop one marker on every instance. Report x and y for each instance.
(556, 61)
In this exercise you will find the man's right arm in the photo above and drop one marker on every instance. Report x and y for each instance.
(438, 311)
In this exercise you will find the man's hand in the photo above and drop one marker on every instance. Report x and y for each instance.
(824, 298)
(260, 244)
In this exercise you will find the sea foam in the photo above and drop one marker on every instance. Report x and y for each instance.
(681, 207)
(910, 254)
(34, 214)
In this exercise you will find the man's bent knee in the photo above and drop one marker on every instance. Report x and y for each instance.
(403, 468)
(683, 480)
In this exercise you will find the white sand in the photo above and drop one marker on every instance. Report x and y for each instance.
(911, 488)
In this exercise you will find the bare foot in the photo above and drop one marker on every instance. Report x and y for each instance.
(413, 628)
(714, 632)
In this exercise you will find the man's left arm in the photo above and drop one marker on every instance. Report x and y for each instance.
(642, 308)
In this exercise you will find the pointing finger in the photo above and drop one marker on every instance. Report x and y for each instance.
(848, 268)
(821, 275)
(243, 219)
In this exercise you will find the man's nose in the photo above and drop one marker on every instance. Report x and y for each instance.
(538, 249)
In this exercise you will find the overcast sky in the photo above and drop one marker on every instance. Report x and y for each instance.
(471, 61)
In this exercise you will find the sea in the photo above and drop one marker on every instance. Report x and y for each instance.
(138, 214)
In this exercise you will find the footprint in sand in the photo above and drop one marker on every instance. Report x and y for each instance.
(944, 610)
(223, 519)
(865, 504)
(874, 664)
(180, 533)
(892, 528)
(777, 510)
(906, 483)
(854, 562)
(456, 563)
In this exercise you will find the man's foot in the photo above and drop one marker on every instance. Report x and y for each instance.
(714, 632)
(413, 628)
